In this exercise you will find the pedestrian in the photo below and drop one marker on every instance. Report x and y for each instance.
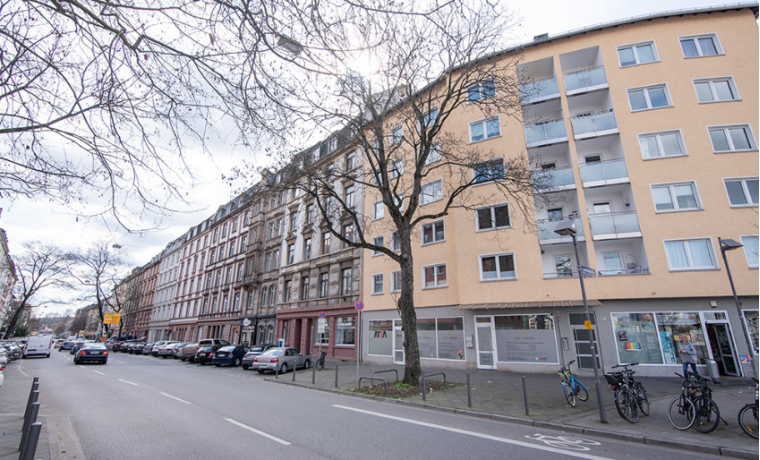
(688, 354)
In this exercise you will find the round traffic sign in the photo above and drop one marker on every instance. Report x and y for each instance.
(359, 305)
(322, 314)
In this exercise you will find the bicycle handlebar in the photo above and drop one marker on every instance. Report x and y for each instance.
(625, 365)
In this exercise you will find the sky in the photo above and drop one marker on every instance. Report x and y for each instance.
(29, 220)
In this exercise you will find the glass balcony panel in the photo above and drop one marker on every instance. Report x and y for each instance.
(595, 77)
(556, 130)
(546, 229)
(592, 172)
(553, 178)
(534, 134)
(585, 79)
(545, 132)
(541, 89)
(614, 223)
(608, 170)
(598, 122)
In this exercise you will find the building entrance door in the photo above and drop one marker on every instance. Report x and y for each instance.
(722, 347)
(485, 342)
(584, 340)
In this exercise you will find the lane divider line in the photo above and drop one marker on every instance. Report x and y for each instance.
(98, 372)
(258, 432)
(473, 433)
(127, 381)
(174, 397)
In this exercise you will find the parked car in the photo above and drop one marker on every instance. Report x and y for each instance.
(281, 358)
(3, 357)
(231, 355)
(253, 352)
(38, 345)
(156, 346)
(148, 348)
(204, 355)
(178, 349)
(136, 348)
(92, 352)
(14, 351)
(218, 343)
(165, 350)
(188, 352)
(66, 345)
(116, 346)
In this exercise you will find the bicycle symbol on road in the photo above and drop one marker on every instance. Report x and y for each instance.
(564, 442)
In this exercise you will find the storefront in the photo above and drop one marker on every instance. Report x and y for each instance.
(257, 330)
(328, 328)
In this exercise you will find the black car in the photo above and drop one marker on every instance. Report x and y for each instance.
(76, 347)
(231, 355)
(66, 345)
(136, 348)
(205, 355)
(91, 352)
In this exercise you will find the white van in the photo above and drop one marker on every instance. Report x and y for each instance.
(38, 345)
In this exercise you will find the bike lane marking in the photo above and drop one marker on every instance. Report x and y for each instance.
(476, 434)
(174, 397)
(258, 432)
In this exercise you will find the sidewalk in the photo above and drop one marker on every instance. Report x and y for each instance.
(499, 395)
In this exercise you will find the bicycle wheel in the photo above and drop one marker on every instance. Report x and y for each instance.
(569, 395)
(708, 415)
(320, 364)
(580, 391)
(748, 419)
(626, 405)
(681, 413)
(641, 398)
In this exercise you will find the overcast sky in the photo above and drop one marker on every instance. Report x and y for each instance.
(27, 220)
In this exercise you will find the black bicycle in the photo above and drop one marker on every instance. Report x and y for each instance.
(320, 364)
(748, 416)
(625, 399)
(707, 414)
(636, 387)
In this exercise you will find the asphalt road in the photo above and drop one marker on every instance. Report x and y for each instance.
(140, 407)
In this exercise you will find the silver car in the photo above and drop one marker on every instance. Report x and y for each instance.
(281, 358)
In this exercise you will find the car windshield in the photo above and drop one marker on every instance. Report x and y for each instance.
(229, 348)
(274, 352)
(257, 349)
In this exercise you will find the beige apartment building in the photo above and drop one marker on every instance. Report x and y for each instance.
(643, 131)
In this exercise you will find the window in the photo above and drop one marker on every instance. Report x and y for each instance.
(350, 160)
(286, 291)
(211, 255)
(441, 338)
(293, 220)
(742, 192)
(434, 276)
(348, 234)
(648, 98)
(291, 253)
(272, 230)
(264, 292)
(661, 145)
(397, 134)
(396, 281)
(322, 335)
(349, 196)
(397, 168)
(345, 330)
(345, 281)
(430, 118)
(239, 272)
(482, 90)
(716, 89)
(304, 287)
(377, 283)
(640, 53)
(433, 232)
(434, 154)
(326, 238)
(324, 280)
(700, 46)
(676, 197)
(732, 138)
(511, 331)
(487, 171)
(309, 213)
(563, 265)
(272, 294)
(228, 278)
(378, 241)
(497, 267)
(485, 129)
(493, 217)
(307, 249)
(232, 248)
(751, 250)
(243, 242)
(378, 210)
(693, 254)
(395, 242)
(431, 192)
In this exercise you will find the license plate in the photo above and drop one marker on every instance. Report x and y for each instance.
(221, 355)
(202, 355)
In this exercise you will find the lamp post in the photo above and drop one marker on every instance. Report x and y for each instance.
(567, 228)
(730, 245)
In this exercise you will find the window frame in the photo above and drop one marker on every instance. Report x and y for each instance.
(397, 134)
(674, 199)
(498, 270)
(711, 82)
(375, 242)
(645, 90)
(375, 214)
(660, 145)
(633, 47)
(695, 38)
(425, 286)
(492, 209)
(434, 240)
(399, 281)
(323, 288)
(375, 278)
(744, 244)
(395, 241)
(434, 198)
(491, 176)
(691, 268)
(484, 89)
(346, 281)
(745, 190)
(726, 130)
(484, 124)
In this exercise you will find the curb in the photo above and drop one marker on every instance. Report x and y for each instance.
(713, 450)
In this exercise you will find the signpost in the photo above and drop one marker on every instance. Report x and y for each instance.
(587, 271)
(359, 305)
(321, 327)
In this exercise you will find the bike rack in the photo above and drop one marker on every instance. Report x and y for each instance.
(385, 385)
(424, 378)
(386, 370)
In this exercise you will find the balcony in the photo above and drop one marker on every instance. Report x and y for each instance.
(641, 270)
(546, 232)
(553, 179)
(585, 80)
(594, 124)
(537, 91)
(604, 173)
(545, 133)
(615, 225)
(250, 280)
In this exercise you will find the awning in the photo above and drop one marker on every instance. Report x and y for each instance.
(542, 304)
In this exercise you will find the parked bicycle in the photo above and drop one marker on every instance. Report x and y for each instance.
(320, 364)
(627, 394)
(639, 392)
(748, 416)
(681, 411)
(571, 387)
(694, 407)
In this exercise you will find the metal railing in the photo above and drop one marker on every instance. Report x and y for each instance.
(538, 90)
(546, 229)
(423, 379)
(553, 178)
(604, 171)
(594, 123)
(545, 132)
(584, 79)
(614, 223)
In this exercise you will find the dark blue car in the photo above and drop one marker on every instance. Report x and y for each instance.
(231, 355)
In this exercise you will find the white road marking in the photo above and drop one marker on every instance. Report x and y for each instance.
(260, 433)
(127, 381)
(174, 397)
(473, 433)
(98, 372)
(80, 366)
(20, 370)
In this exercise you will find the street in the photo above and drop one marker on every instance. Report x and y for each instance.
(140, 407)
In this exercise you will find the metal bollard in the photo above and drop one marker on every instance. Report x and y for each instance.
(525, 396)
(469, 391)
(336, 375)
(33, 398)
(276, 371)
(27, 453)
(313, 374)
(35, 387)
(28, 423)
(294, 372)
(422, 385)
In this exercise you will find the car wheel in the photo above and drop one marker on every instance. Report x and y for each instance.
(105, 361)
(217, 364)
(48, 355)
(236, 363)
(283, 368)
(75, 361)
(246, 367)
(201, 363)
(182, 359)
(306, 364)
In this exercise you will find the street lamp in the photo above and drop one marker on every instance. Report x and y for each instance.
(730, 245)
(567, 228)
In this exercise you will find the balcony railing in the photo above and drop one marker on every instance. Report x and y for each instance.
(553, 178)
(539, 90)
(585, 79)
(546, 229)
(561, 274)
(616, 223)
(546, 132)
(594, 123)
(604, 171)
(640, 270)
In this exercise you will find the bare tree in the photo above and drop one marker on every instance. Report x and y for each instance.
(39, 268)
(428, 69)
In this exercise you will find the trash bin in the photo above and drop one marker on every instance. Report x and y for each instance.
(712, 369)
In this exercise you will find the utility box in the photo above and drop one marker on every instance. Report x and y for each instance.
(712, 369)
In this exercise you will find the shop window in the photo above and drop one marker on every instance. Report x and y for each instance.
(380, 340)
(526, 338)
(345, 330)
(441, 338)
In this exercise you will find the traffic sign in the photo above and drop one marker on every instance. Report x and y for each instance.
(322, 314)
(587, 271)
(588, 325)
(359, 305)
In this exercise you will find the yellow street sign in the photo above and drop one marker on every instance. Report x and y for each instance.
(588, 325)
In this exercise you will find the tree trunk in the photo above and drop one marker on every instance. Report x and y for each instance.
(13, 322)
(412, 368)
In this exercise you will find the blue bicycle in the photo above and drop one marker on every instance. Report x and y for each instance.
(572, 388)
